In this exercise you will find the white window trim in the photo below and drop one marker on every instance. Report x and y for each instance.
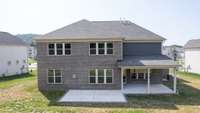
(97, 48)
(111, 76)
(54, 76)
(55, 49)
(105, 76)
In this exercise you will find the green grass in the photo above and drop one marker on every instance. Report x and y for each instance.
(32, 100)
(6, 82)
(31, 61)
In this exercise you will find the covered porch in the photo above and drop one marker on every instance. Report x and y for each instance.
(148, 75)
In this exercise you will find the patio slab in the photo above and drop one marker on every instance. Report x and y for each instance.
(94, 96)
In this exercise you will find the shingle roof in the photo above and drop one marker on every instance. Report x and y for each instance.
(8, 39)
(85, 29)
(157, 60)
(195, 43)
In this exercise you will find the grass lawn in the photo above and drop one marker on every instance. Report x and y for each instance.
(20, 94)
(31, 61)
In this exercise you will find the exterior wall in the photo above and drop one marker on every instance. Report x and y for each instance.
(141, 48)
(78, 63)
(192, 60)
(12, 54)
(32, 52)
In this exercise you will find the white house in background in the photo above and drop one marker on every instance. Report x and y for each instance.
(32, 52)
(192, 56)
(175, 52)
(14, 55)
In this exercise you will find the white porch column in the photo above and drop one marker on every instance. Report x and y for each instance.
(122, 74)
(174, 74)
(148, 81)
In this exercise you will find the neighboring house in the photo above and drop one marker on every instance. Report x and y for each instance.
(13, 57)
(32, 52)
(175, 52)
(192, 56)
(103, 55)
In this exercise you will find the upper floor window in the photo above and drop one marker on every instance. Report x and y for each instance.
(67, 49)
(101, 48)
(93, 48)
(109, 48)
(59, 49)
(51, 48)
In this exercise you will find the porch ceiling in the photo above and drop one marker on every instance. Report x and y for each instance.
(147, 61)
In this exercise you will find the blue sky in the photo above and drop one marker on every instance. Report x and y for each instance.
(176, 20)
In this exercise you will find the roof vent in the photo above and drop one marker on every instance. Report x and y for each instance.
(124, 21)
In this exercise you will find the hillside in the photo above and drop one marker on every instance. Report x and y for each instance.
(28, 38)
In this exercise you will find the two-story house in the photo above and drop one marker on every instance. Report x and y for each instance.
(104, 55)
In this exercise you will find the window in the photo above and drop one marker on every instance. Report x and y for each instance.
(101, 76)
(17, 61)
(51, 49)
(141, 75)
(54, 76)
(59, 49)
(9, 63)
(67, 49)
(101, 48)
(92, 48)
(50, 76)
(109, 76)
(109, 48)
(134, 76)
(92, 78)
(24, 61)
(138, 74)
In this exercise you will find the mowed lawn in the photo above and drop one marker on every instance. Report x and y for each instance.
(20, 94)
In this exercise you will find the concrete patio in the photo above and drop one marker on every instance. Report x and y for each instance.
(94, 96)
(142, 89)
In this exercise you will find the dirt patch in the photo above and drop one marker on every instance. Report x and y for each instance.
(13, 93)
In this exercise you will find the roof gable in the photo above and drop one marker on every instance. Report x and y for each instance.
(8, 39)
(194, 43)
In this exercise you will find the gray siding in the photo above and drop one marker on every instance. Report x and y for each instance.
(140, 49)
(79, 63)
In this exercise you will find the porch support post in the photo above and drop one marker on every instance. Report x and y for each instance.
(148, 81)
(174, 74)
(122, 74)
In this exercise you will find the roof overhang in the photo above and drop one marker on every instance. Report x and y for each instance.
(156, 62)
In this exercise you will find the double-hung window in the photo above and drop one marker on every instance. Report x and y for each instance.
(109, 75)
(101, 48)
(92, 48)
(101, 76)
(67, 49)
(54, 76)
(92, 76)
(59, 49)
(109, 48)
(51, 48)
